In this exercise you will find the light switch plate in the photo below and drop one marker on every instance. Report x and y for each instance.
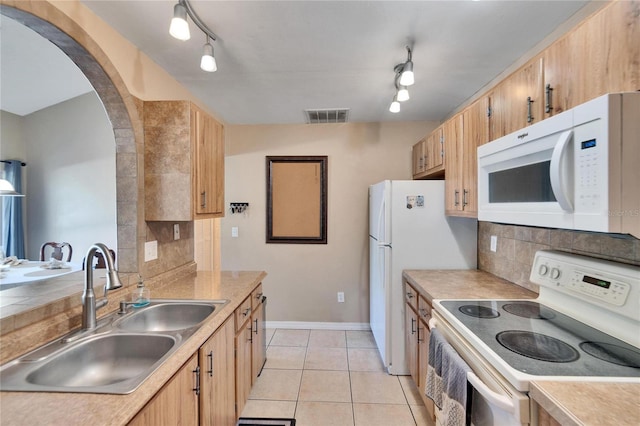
(150, 250)
(494, 243)
(176, 231)
(234, 232)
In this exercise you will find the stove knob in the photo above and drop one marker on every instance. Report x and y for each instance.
(555, 273)
(542, 270)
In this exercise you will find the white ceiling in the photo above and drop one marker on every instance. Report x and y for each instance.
(34, 73)
(278, 58)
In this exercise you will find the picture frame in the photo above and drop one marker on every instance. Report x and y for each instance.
(296, 199)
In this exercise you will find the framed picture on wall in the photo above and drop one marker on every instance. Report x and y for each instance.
(297, 199)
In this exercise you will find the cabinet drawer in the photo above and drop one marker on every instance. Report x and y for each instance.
(256, 297)
(424, 309)
(243, 313)
(411, 296)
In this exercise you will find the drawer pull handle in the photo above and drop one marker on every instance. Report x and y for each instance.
(197, 373)
(210, 356)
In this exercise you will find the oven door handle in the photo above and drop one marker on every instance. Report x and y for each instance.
(492, 397)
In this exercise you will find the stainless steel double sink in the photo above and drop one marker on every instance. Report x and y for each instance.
(116, 357)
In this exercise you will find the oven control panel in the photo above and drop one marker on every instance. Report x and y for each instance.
(595, 278)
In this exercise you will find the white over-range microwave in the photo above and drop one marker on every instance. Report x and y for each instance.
(577, 170)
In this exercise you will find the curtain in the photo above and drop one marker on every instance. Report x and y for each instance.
(12, 227)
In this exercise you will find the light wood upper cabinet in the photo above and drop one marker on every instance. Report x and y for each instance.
(428, 156)
(435, 152)
(217, 365)
(184, 162)
(176, 403)
(419, 158)
(518, 100)
(452, 131)
(599, 56)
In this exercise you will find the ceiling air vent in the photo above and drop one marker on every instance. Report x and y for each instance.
(320, 116)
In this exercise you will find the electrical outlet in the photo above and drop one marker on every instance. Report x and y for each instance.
(340, 297)
(494, 243)
(150, 250)
(234, 232)
(176, 231)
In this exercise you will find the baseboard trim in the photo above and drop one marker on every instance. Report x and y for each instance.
(310, 325)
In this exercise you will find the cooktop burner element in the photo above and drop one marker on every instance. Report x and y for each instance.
(479, 311)
(537, 346)
(612, 353)
(528, 310)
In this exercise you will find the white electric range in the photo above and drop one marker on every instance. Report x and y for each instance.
(584, 326)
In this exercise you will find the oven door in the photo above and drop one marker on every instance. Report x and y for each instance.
(527, 178)
(495, 401)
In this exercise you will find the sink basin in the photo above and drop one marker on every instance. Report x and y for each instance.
(115, 357)
(104, 360)
(165, 317)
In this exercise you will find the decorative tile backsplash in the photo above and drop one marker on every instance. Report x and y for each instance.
(517, 245)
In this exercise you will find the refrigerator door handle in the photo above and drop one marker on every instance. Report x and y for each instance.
(382, 245)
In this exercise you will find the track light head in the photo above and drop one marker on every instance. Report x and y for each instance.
(406, 78)
(208, 61)
(179, 26)
(403, 94)
(395, 105)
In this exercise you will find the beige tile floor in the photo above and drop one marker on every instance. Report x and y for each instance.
(332, 378)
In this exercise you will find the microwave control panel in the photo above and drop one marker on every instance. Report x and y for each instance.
(590, 150)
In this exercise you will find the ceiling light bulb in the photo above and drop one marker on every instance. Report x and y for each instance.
(395, 105)
(208, 62)
(403, 94)
(406, 78)
(179, 26)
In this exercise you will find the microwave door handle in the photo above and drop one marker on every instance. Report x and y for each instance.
(492, 397)
(556, 174)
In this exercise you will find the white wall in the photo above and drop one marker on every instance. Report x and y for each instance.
(71, 176)
(303, 280)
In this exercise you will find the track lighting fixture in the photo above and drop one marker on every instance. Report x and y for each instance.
(180, 29)
(208, 61)
(403, 78)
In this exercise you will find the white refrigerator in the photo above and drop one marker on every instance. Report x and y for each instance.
(409, 230)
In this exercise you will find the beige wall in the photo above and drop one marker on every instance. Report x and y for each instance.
(303, 280)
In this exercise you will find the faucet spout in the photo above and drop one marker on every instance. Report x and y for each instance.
(89, 305)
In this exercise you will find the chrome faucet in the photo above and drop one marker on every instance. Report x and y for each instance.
(89, 303)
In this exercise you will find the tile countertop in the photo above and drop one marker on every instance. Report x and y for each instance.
(20, 408)
(589, 403)
(570, 403)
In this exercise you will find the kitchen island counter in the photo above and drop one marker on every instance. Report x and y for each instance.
(20, 408)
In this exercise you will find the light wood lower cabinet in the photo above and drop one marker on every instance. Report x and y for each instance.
(243, 341)
(176, 403)
(214, 385)
(217, 383)
(417, 315)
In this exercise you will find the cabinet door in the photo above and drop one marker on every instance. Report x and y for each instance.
(435, 154)
(411, 341)
(418, 159)
(217, 396)
(258, 355)
(177, 401)
(209, 164)
(475, 133)
(243, 365)
(452, 131)
(518, 100)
